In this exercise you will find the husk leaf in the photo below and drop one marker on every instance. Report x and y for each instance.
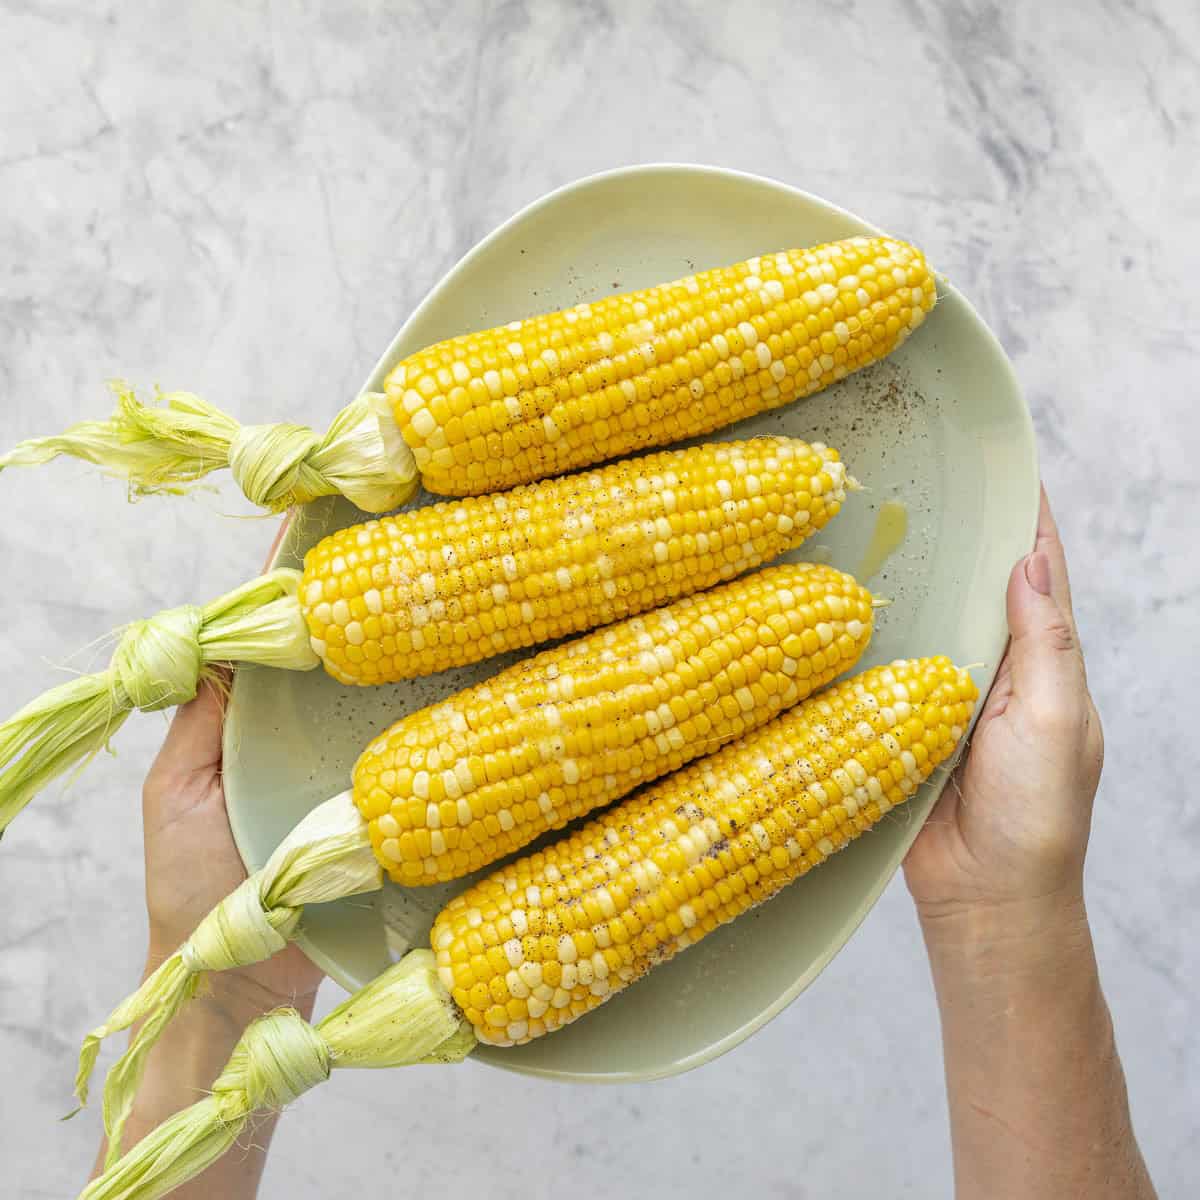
(169, 445)
(402, 1017)
(156, 664)
(327, 855)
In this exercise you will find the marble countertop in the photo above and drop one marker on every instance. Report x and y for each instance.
(246, 199)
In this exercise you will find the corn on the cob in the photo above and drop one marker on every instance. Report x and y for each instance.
(456, 582)
(452, 584)
(540, 942)
(544, 940)
(541, 396)
(544, 395)
(457, 785)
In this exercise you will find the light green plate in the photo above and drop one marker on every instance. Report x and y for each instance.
(941, 426)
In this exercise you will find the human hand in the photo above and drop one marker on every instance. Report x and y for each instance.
(1038, 1106)
(191, 865)
(192, 862)
(1003, 850)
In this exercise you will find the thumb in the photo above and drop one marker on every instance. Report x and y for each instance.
(1045, 660)
(193, 741)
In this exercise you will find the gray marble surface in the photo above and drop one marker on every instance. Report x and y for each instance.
(247, 199)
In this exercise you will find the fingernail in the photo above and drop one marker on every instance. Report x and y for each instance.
(1037, 571)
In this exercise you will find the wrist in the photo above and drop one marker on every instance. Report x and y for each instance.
(1008, 939)
(236, 997)
(195, 1047)
(192, 1051)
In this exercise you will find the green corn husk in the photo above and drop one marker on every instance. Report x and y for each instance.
(157, 664)
(327, 856)
(167, 446)
(401, 1018)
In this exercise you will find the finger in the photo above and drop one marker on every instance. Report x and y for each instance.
(193, 740)
(1044, 661)
(1049, 543)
